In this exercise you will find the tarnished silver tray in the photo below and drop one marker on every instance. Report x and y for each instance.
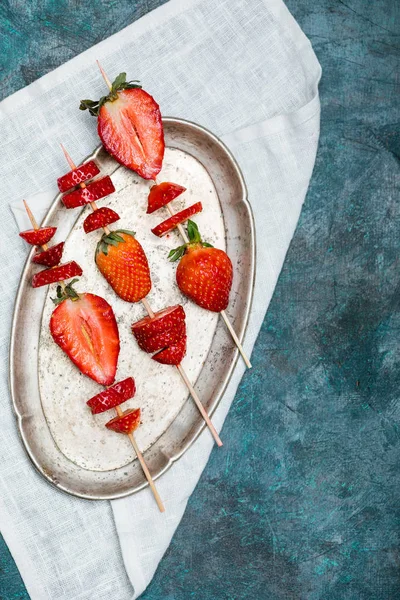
(29, 352)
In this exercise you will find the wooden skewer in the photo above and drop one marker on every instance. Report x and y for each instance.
(144, 466)
(118, 409)
(150, 312)
(186, 240)
(222, 313)
(151, 315)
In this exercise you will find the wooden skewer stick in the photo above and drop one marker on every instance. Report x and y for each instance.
(36, 227)
(186, 240)
(143, 465)
(222, 313)
(117, 408)
(185, 378)
(191, 389)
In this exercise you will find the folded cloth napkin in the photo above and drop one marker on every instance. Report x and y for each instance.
(247, 72)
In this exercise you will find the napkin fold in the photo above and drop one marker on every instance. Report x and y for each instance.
(248, 73)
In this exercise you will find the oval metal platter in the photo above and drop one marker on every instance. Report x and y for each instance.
(70, 447)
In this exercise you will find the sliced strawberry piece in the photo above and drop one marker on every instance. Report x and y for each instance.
(38, 237)
(50, 257)
(100, 218)
(126, 423)
(86, 330)
(163, 193)
(77, 176)
(173, 355)
(113, 396)
(178, 218)
(162, 321)
(161, 340)
(92, 192)
(60, 273)
(130, 128)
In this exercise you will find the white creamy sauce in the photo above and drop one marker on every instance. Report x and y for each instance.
(80, 436)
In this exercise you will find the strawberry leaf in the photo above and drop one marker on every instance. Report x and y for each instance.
(193, 232)
(177, 253)
(119, 83)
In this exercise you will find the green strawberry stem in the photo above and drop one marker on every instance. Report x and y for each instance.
(119, 84)
(112, 239)
(66, 292)
(194, 238)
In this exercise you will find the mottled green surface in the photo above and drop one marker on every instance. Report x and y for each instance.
(305, 501)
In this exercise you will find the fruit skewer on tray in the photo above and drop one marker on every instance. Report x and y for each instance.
(130, 128)
(123, 263)
(85, 328)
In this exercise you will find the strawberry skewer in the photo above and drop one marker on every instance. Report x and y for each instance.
(139, 251)
(184, 236)
(119, 411)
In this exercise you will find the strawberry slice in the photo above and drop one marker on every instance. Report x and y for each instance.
(50, 257)
(126, 423)
(38, 237)
(163, 193)
(176, 219)
(162, 321)
(85, 328)
(77, 176)
(92, 192)
(113, 396)
(172, 355)
(65, 271)
(130, 128)
(161, 340)
(100, 218)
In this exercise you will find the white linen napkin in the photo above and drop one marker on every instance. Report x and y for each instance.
(247, 72)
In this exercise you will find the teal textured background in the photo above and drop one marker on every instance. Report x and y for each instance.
(305, 501)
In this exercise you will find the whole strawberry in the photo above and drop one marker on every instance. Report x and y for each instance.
(122, 261)
(204, 273)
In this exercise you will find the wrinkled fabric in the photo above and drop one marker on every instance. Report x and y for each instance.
(245, 71)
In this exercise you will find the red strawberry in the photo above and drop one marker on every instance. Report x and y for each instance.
(113, 396)
(50, 257)
(79, 175)
(163, 193)
(92, 192)
(100, 218)
(176, 219)
(169, 337)
(60, 273)
(126, 423)
(122, 261)
(85, 328)
(162, 321)
(130, 127)
(173, 355)
(204, 273)
(38, 237)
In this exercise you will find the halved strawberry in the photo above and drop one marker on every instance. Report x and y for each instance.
(130, 127)
(60, 273)
(76, 176)
(162, 321)
(122, 261)
(113, 396)
(176, 219)
(100, 218)
(50, 257)
(169, 337)
(126, 423)
(38, 237)
(163, 193)
(92, 192)
(173, 355)
(84, 327)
